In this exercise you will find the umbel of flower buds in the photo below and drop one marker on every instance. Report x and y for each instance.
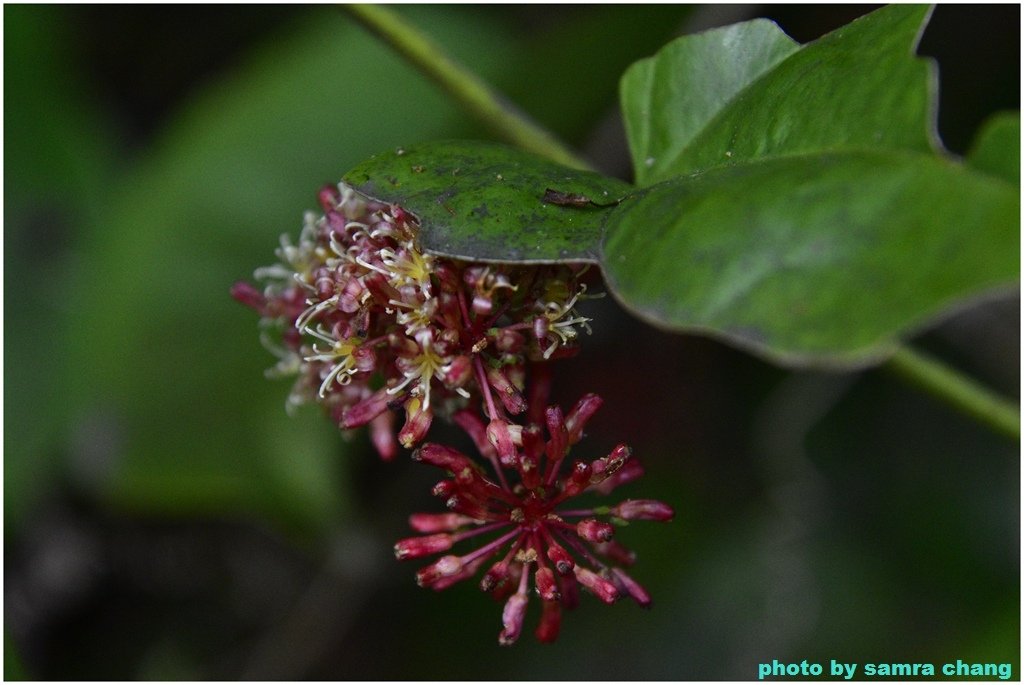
(537, 539)
(370, 324)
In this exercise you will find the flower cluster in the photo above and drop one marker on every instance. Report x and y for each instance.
(537, 535)
(370, 323)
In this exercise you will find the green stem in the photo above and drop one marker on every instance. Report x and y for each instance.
(466, 87)
(957, 390)
(493, 109)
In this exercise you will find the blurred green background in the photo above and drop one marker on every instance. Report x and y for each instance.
(165, 519)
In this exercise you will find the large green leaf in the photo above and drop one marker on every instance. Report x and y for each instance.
(670, 98)
(802, 209)
(745, 92)
(490, 202)
(819, 259)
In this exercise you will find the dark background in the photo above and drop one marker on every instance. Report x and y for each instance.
(164, 518)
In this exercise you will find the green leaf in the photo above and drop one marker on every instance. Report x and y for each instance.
(857, 87)
(488, 202)
(670, 98)
(996, 150)
(820, 259)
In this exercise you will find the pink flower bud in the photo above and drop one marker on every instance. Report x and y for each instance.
(366, 410)
(417, 423)
(458, 372)
(629, 472)
(643, 510)
(500, 434)
(382, 435)
(474, 426)
(249, 296)
(413, 548)
(328, 197)
(442, 568)
(442, 457)
(512, 619)
(558, 442)
(379, 288)
(365, 359)
(468, 571)
(606, 467)
(578, 416)
(436, 523)
(540, 330)
(631, 588)
(603, 589)
(593, 530)
(461, 504)
(482, 305)
(350, 296)
(578, 480)
(508, 341)
(506, 391)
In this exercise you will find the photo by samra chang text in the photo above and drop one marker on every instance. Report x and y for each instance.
(852, 671)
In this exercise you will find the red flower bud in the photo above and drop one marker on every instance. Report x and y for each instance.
(603, 589)
(593, 530)
(436, 523)
(550, 622)
(443, 457)
(413, 548)
(544, 579)
(494, 576)
(561, 559)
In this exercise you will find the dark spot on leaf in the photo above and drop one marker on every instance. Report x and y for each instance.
(481, 211)
(446, 195)
(557, 197)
